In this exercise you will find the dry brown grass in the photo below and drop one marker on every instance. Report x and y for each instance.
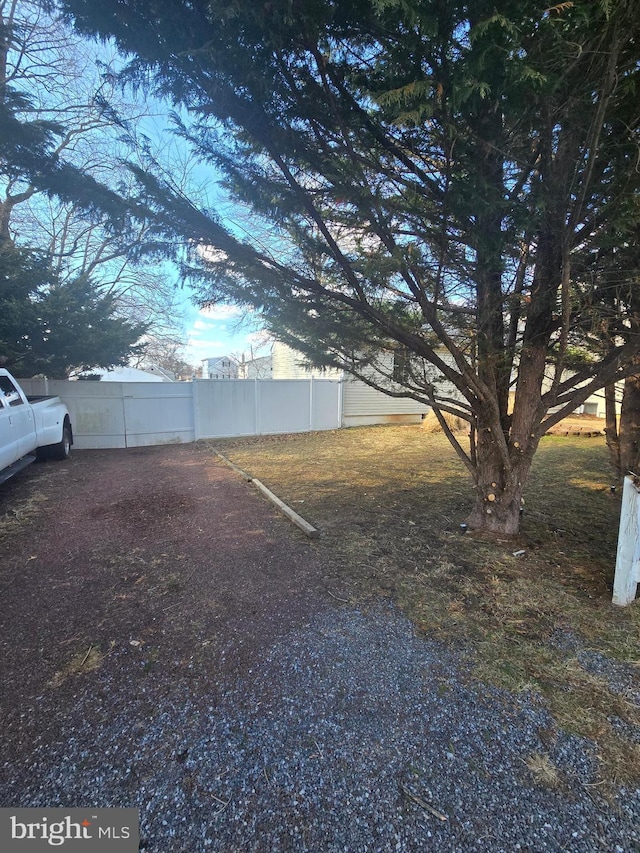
(18, 514)
(83, 661)
(543, 770)
(21, 503)
(390, 501)
(455, 424)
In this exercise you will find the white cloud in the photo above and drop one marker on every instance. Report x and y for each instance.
(211, 254)
(197, 350)
(219, 312)
(261, 342)
(217, 331)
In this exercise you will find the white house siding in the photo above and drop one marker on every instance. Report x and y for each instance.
(286, 365)
(362, 405)
(593, 405)
(224, 367)
(257, 368)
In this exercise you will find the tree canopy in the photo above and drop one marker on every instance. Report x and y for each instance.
(436, 179)
(54, 328)
(66, 131)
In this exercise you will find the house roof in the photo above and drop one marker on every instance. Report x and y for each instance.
(129, 374)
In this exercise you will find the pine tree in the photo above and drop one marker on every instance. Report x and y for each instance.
(53, 328)
(417, 177)
(65, 130)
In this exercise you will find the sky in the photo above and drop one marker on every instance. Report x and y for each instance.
(223, 330)
(209, 332)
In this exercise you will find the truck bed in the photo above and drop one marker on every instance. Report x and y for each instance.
(41, 397)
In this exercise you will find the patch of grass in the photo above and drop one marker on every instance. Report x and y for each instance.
(168, 584)
(152, 656)
(84, 661)
(20, 514)
(135, 571)
(543, 770)
(390, 501)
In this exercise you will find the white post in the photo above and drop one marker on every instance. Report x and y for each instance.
(195, 406)
(256, 405)
(627, 576)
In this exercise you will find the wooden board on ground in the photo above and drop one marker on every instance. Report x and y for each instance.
(587, 425)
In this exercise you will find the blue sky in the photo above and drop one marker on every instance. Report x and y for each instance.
(223, 330)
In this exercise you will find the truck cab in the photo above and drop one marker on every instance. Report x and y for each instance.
(40, 426)
(17, 426)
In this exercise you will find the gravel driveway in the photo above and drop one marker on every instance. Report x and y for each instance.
(171, 643)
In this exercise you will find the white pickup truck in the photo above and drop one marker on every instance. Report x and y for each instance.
(30, 427)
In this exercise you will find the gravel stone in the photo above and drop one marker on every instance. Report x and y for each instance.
(348, 734)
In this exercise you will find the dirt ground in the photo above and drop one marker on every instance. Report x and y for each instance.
(162, 557)
(157, 614)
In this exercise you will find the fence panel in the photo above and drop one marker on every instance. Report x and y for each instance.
(138, 414)
(158, 413)
(122, 414)
(96, 410)
(627, 573)
(224, 407)
(284, 406)
(326, 408)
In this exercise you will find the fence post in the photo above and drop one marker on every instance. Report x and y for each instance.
(627, 575)
(195, 407)
(124, 413)
(256, 404)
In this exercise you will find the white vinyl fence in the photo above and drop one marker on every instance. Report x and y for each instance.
(627, 574)
(138, 414)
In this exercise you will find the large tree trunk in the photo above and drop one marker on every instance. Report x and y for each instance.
(502, 468)
(629, 431)
(506, 444)
(611, 427)
(498, 499)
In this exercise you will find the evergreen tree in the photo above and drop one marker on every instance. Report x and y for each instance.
(56, 328)
(616, 269)
(66, 131)
(418, 178)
